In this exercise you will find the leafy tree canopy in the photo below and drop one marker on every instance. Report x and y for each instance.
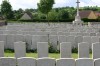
(45, 6)
(6, 9)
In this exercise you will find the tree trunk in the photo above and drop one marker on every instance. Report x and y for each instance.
(47, 19)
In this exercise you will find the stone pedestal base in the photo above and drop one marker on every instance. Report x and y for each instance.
(77, 21)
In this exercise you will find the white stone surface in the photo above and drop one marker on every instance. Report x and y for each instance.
(1, 48)
(28, 40)
(46, 62)
(20, 49)
(38, 38)
(19, 37)
(1, 31)
(53, 39)
(3, 38)
(95, 39)
(83, 50)
(42, 49)
(71, 39)
(62, 38)
(10, 41)
(84, 62)
(26, 61)
(92, 34)
(65, 50)
(78, 39)
(97, 62)
(88, 40)
(65, 62)
(98, 34)
(96, 50)
(5, 61)
(73, 33)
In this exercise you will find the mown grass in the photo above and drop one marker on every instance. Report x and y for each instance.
(52, 55)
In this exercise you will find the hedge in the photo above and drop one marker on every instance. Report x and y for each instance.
(44, 20)
(66, 20)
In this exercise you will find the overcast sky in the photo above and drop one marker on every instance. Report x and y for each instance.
(16, 4)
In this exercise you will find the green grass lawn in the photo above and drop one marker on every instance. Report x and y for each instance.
(52, 55)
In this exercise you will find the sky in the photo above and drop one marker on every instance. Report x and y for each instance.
(24, 4)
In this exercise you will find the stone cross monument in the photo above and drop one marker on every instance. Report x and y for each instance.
(77, 20)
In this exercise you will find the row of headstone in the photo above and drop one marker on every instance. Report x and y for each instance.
(46, 32)
(28, 61)
(10, 39)
(65, 50)
(50, 28)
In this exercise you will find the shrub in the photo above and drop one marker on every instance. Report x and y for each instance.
(52, 49)
(45, 20)
(74, 50)
(9, 50)
(31, 51)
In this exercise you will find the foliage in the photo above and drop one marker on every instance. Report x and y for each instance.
(90, 20)
(35, 15)
(45, 20)
(51, 48)
(63, 14)
(94, 8)
(9, 50)
(74, 50)
(52, 15)
(31, 10)
(18, 13)
(45, 6)
(45, 13)
(6, 10)
(41, 16)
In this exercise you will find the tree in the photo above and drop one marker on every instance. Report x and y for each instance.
(63, 14)
(52, 15)
(6, 10)
(18, 13)
(45, 6)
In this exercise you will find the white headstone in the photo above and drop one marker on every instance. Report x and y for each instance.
(98, 34)
(38, 38)
(73, 33)
(20, 49)
(95, 39)
(92, 34)
(96, 50)
(87, 39)
(1, 31)
(26, 61)
(42, 49)
(78, 39)
(65, 50)
(53, 39)
(65, 62)
(67, 33)
(28, 40)
(84, 62)
(10, 41)
(1, 48)
(5, 61)
(46, 62)
(71, 39)
(86, 34)
(62, 38)
(83, 50)
(97, 62)
(3, 38)
(19, 37)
